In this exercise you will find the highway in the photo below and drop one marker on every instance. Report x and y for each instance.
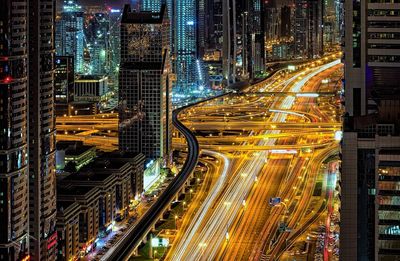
(123, 249)
(271, 153)
(270, 141)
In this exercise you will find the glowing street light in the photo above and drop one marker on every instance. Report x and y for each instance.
(176, 226)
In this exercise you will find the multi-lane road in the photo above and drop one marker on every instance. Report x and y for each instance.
(270, 141)
(272, 146)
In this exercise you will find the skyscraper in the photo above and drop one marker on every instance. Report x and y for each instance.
(285, 22)
(185, 46)
(308, 28)
(256, 38)
(42, 178)
(69, 33)
(13, 130)
(97, 38)
(203, 17)
(28, 134)
(370, 212)
(145, 84)
(150, 5)
(64, 79)
(115, 44)
(243, 51)
(229, 49)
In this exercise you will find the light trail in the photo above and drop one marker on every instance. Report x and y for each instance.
(208, 230)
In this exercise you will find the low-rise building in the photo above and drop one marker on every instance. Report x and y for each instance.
(68, 229)
(122, 170)
(137, 161)
(107, 186)
(89, 198)
(90, 88)
(73, 155)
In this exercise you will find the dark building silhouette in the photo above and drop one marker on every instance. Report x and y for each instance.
(145, 84)
(27, 158)
(370, 213)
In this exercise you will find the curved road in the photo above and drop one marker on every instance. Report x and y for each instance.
(132, 239)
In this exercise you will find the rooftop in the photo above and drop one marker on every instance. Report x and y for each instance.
(130, 17)
(74, 190)
(62, 205)
(73, 148)
(85, 174)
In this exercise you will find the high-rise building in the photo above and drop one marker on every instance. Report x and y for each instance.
(256, 38)
(145, 84)
(97, 38)
(216, 26)
(308, 28)
(370, 213)
(42, 178)
(331, 24)
(185, 46)
(272, 21)
(150, 5)
(13, 130)
(286, 22)
(229, 45)
(115, 44)
(203, 28)
(69, 35)
(28, 134)
(243, 47)
(64, 79)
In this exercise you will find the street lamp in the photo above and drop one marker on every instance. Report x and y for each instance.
(176, 226)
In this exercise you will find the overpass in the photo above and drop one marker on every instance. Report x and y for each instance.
(298, 94)
(129, 243)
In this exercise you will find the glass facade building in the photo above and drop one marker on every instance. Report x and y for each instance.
(145, 84)
(308, 35)
(69, 33)
(151, 5)
(185, 46)
(115, 44)
(98, 43)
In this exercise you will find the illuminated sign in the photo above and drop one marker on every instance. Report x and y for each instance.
(52, 240)
(159, 242)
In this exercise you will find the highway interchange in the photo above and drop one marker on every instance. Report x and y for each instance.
(272, 146)
(270, 141)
